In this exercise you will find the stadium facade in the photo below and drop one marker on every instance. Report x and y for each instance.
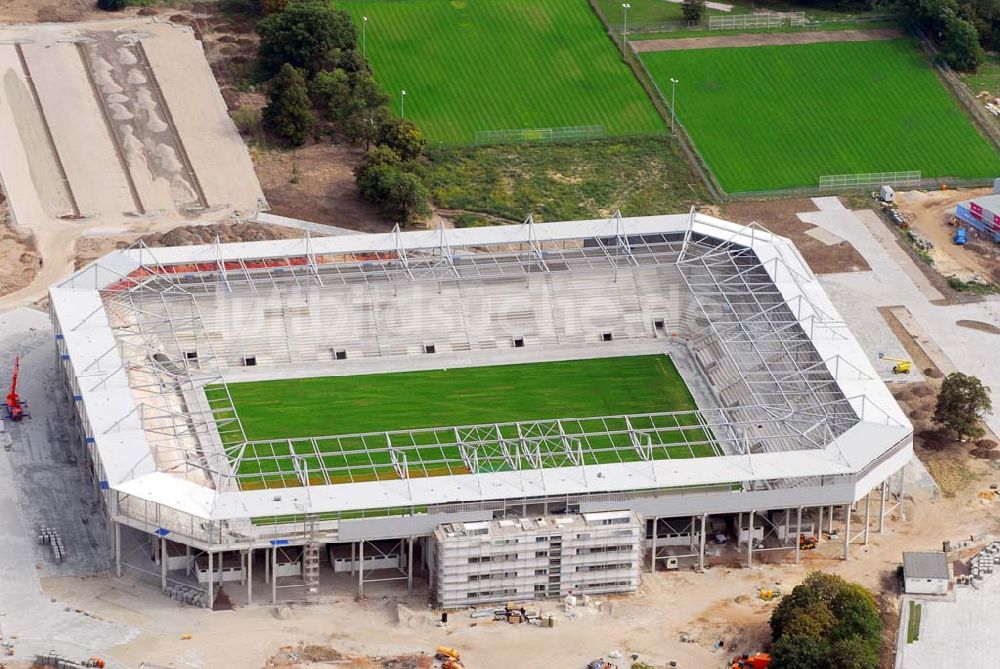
(799, 425)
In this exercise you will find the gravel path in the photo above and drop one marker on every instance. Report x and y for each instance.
(765, 39)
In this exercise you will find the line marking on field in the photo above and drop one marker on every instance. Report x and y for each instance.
(764, 39)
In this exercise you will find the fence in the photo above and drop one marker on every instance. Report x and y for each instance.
(982, 118)
(579, 133)
(757, 20)
(866, 182)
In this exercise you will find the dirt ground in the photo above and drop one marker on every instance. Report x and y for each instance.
(316, 183)
(18, 256)
(779, 216)
(929, 214)
(89, 249)
(765, 39)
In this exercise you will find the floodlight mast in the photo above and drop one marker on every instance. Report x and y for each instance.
(673, 103)
(364, 37)
(625, 7)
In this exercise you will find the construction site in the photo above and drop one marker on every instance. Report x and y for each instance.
(252, 440)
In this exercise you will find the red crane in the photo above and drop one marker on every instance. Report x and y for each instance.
(15, 409)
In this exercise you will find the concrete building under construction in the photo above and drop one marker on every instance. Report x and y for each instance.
(793, 429)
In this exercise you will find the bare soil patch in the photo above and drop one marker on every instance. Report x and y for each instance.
(930, 214)
(765, 39)
(779, 216)
(316, 183)
(19, 259)
(319, 654)
(89, 249)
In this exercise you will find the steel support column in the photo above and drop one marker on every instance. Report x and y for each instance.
(652, 548)
(701, 550)
(847, 531)
(249, 576)
(881, 506)
(868, 514)
(211, 586)
(750, 539)
(798, 536)
(361, 568)
(274, 574)
(819, 525)
(163, 564)
(409, 565)
(118, 549)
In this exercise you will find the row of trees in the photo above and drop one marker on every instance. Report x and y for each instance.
(308, 52)
(826, 622)
(960, 28)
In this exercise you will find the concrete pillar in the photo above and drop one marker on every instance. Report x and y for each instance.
(118, 549)
(829, 522)
(249, 575)
(750, 539)
(652, 548)
(274, 574)
(819, 525)
(902, 495)
(361, 568)
(267, 565)
(868, 514)
(409, 565)
(691, 534)
(881, 506)
(211, 585)
(798, 534)
(788, 524)
(163, 564)
(847, 531)
(701, 550)
(353, 558)
(187, 559)
(739, 526)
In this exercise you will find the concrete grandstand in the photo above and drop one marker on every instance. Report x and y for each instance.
(791, 421)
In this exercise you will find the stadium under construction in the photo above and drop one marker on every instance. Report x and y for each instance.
(775, 421)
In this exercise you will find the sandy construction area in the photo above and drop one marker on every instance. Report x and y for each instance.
(113, 125)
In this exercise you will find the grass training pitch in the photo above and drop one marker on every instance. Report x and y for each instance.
(767, 118)
(501, 64)
(375, 403)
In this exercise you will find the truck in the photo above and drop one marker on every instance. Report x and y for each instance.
(961, 236)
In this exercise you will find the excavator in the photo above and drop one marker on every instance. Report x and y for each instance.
(15, 407)
(901, 367)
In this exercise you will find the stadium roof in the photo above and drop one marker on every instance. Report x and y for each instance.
(163, 446)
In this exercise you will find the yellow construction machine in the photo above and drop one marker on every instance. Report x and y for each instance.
(901, 367)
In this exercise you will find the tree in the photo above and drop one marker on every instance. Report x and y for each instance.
(962, 401)
(799, 652)
(303, 35)
(268, 7)
(960, 46)
(407, 199)
(402, 136)
(826, 622)
(693, 10)
(111, 5)
(288, 113)
(331, 90)
(382, 180)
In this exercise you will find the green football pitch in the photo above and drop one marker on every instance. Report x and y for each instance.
(273, 412)
(767, 118)
(501, 64)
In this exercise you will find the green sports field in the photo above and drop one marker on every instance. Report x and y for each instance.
(352, 405)
(767, 118)
(501, 64)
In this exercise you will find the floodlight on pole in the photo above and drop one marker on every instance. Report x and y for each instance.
(625, 8)
(402, 104)
(364, 37)
(673, 106)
